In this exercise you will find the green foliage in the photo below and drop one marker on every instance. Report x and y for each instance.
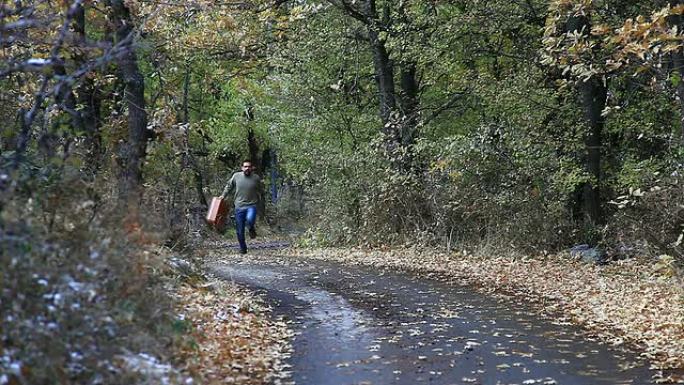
(503, 163)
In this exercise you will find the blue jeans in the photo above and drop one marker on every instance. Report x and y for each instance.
(244, 215)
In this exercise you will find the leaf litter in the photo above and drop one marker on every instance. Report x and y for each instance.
(234, 339)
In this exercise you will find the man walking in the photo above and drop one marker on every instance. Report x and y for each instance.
(247, 194)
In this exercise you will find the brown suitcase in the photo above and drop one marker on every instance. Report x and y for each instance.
(218, 211)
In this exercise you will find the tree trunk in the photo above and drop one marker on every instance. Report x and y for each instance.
(392, 126)
(384, 71)
(593, 93)
(678, 64)
(132, 152)
(678, 61)
(255, 156)
(409, 102)
(252, 142)
(273, 163)
(88, 98)
(384, 77)
(186, 94)
(196, 172)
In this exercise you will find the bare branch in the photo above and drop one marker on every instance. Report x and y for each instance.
(351, 10)
(446, 106)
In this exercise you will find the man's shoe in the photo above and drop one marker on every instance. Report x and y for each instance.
(243, 251)
(252, 233)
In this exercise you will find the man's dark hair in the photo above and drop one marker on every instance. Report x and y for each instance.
(246, 161)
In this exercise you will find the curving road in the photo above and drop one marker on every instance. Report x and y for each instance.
(360, 326)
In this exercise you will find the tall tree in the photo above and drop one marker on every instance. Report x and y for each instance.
(87, 95)
(676, 21)
(398, 99)
(593, 92)
(131, 153)
(571, 45)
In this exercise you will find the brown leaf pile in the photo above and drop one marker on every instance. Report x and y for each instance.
(234, 339)
(628, 301)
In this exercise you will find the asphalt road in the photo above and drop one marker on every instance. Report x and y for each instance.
(360, 326)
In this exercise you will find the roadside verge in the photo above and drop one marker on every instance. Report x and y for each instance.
(232, 338)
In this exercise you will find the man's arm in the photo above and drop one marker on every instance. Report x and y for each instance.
(229, 186)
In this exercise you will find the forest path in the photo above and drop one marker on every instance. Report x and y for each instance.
(358, 325)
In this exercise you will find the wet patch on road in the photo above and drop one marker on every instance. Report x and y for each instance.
(369, 326)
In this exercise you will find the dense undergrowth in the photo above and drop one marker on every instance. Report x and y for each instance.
(467, 200)
(83, 300)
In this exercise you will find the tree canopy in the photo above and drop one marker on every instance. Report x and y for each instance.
(537, 123)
